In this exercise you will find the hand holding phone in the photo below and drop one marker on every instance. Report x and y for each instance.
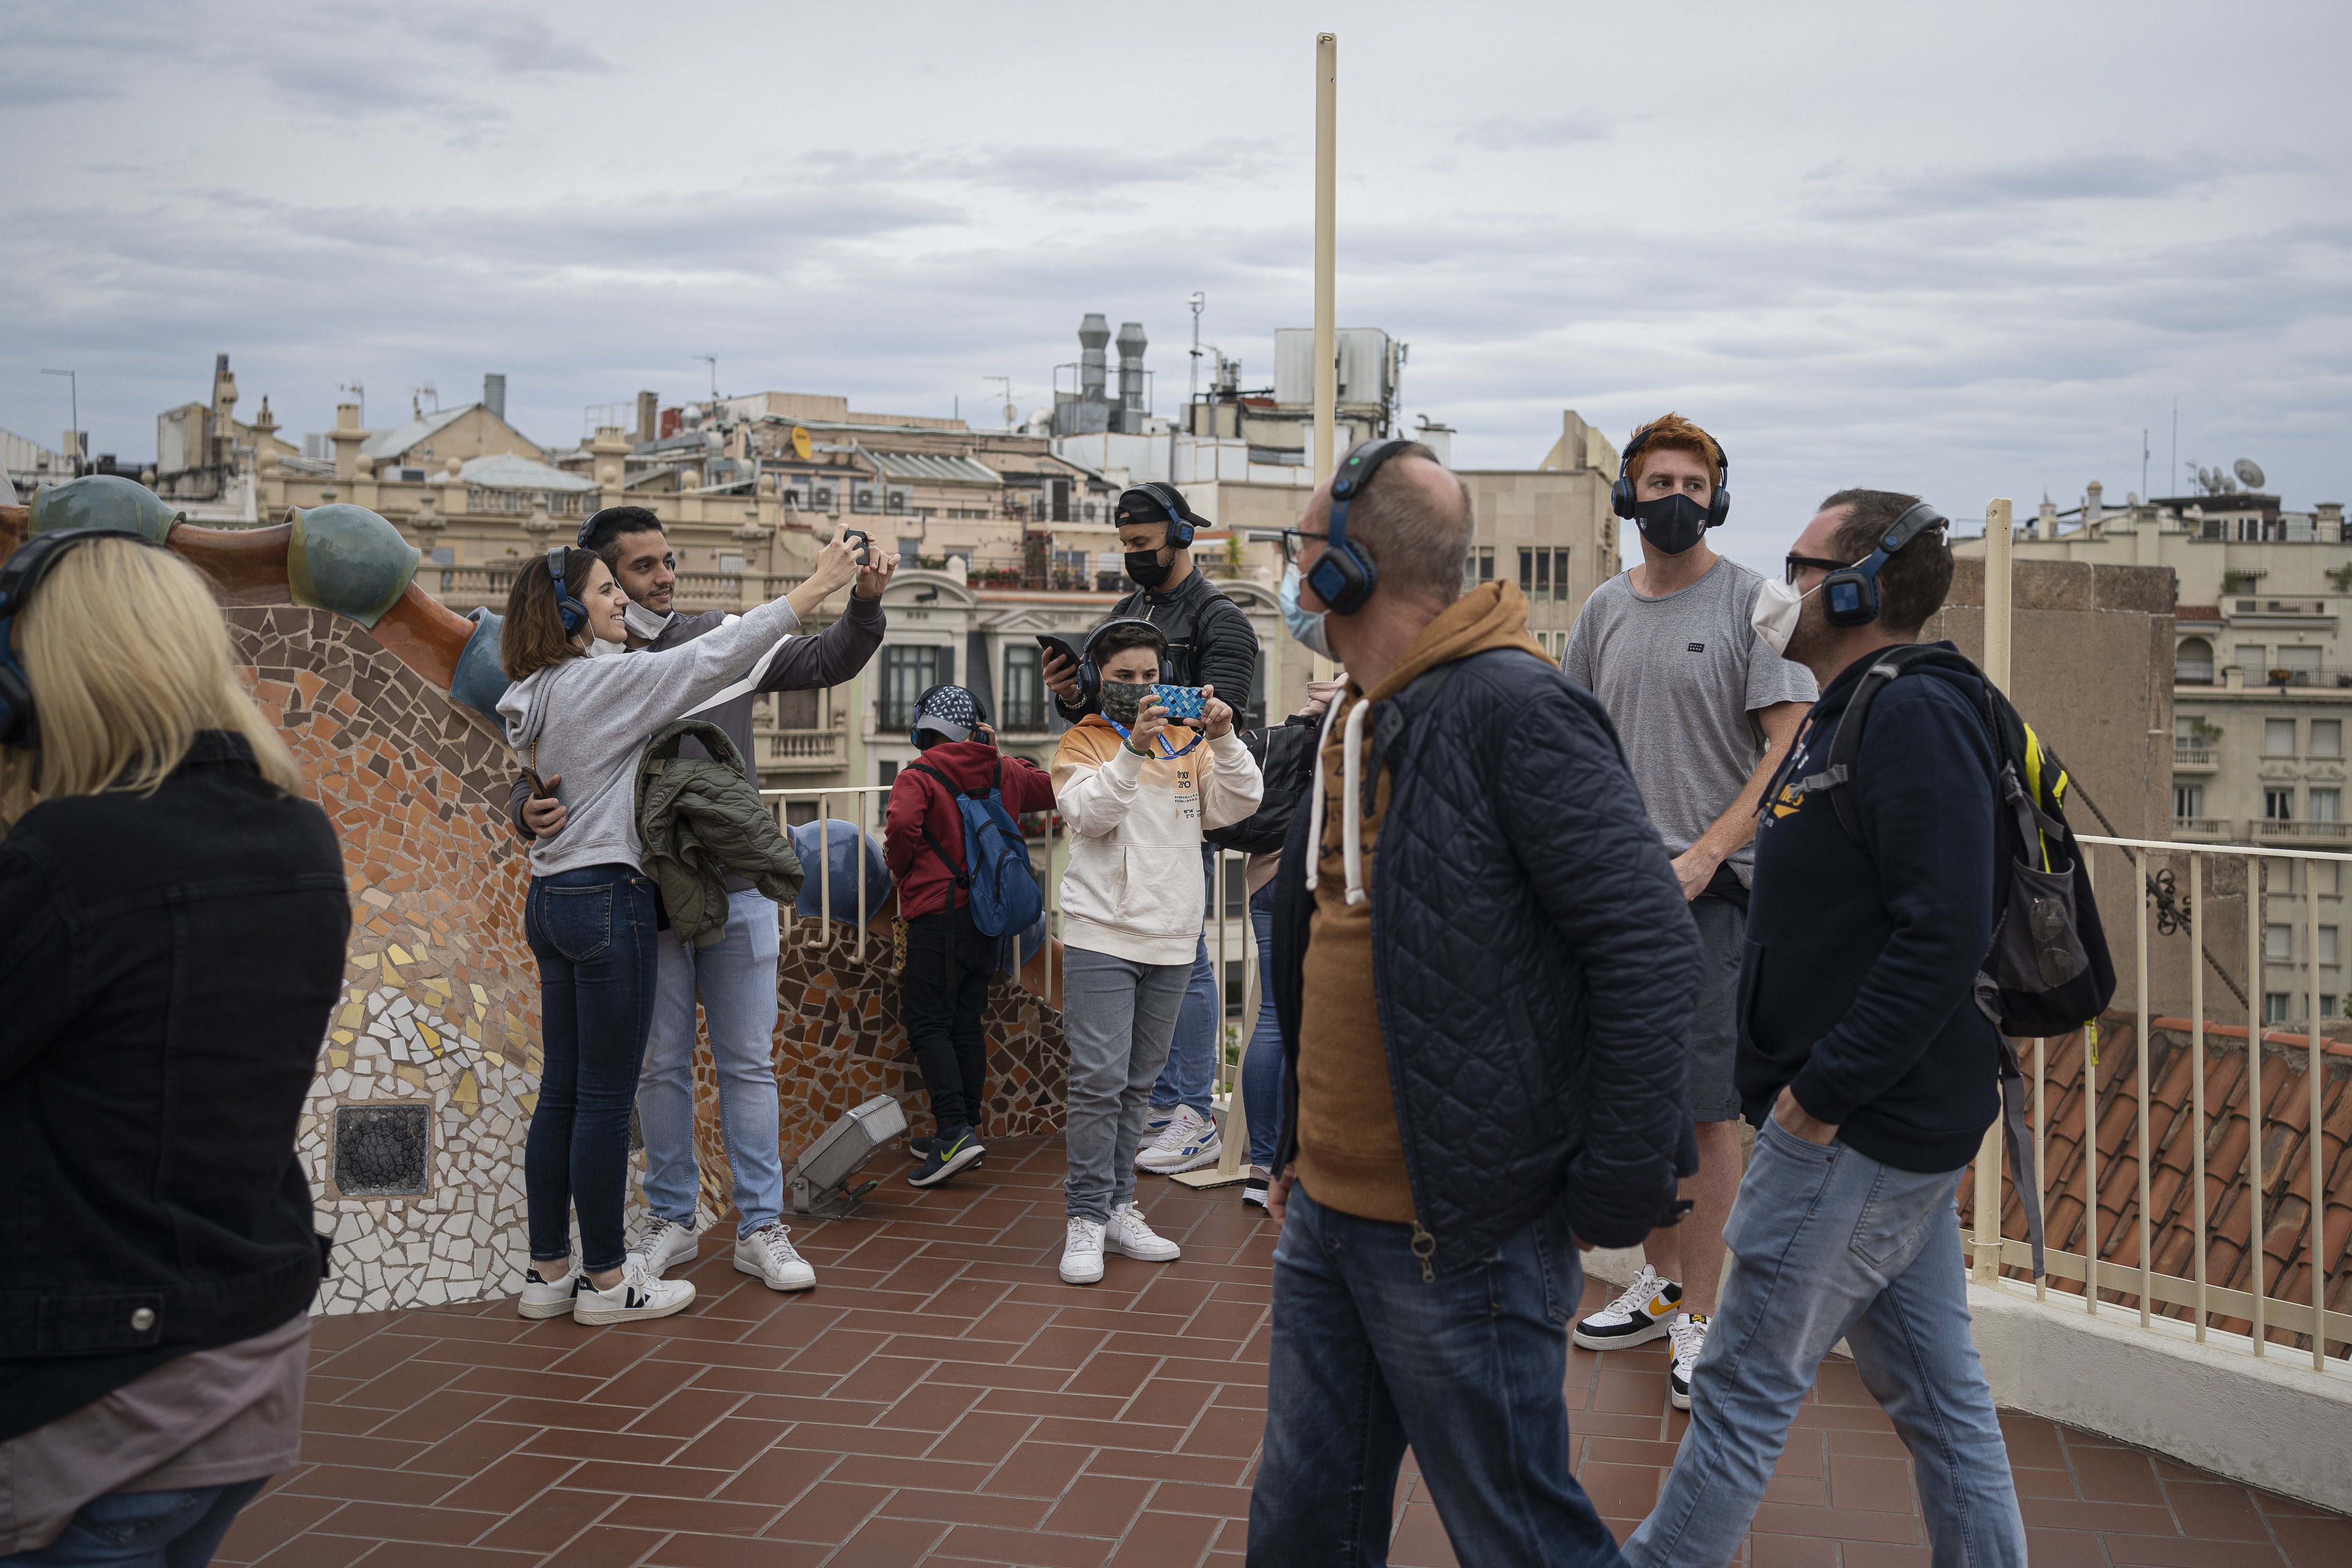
(865, 544)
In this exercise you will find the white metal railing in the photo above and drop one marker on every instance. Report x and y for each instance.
(2158, 898)
(1225, 1077)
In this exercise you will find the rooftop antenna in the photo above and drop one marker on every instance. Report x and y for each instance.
(1012, 410)
(712, 360)
(358, 389)
(73, 393)
(2249, 472)
(1192, 382)
(2143, 464)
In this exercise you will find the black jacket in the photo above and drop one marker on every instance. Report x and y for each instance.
(1855, 987)
(1210, 640)
(169, 963)
(1534, 961)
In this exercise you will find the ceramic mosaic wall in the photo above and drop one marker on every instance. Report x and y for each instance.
(439, 1004)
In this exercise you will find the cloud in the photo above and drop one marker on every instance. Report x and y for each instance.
(2032, 183)
(1512, 133)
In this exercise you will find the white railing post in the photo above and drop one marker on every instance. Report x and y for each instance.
(2257, 975)
(1985, 1263)
(2139, 926)
(2197, 1068)
(2316, 1231)
(2091, 1138)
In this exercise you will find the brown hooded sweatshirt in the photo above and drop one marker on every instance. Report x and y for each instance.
(1351, 1154)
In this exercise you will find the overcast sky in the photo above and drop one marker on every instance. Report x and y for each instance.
(1970, 251)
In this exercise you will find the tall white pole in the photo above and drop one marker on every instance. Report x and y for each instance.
(1327, 369)
(1998, 538)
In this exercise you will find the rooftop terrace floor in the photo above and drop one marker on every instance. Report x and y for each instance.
(943, 1398)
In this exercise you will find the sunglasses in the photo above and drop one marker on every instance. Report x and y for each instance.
(1795, 563)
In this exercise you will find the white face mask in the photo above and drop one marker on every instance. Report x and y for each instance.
(1775, 616)
(642, 622)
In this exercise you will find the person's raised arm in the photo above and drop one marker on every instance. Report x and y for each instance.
(843, 648)
(1228, 653)
(1094, 795)
(836, 565)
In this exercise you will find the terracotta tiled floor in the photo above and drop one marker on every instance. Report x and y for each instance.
(943, 1398)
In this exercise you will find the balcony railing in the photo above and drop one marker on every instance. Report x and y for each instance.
(2264, 827)
(2321, 675)
(2195, 757)
(2201, 827)
(465, 588)
(2192, 672)
(803, 750)
(2214, 1201)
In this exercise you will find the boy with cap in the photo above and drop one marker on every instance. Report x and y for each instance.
(943, 989)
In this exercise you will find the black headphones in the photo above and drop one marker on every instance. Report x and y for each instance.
(19, 576)
(1849, 595)
(1090, 674)
(915, 730)
(1344, 576)
(574, 613)
(1621, 499)
(1167, 497)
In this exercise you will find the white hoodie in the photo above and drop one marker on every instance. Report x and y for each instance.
(1133, 887)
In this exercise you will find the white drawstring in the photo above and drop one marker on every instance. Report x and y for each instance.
(1351, 818)
(1314, 809)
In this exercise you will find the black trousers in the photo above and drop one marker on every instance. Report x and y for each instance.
(943, 996)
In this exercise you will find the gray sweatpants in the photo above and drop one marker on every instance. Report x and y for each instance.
(1118, 1016)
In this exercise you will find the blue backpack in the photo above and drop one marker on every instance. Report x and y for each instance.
(996, 876)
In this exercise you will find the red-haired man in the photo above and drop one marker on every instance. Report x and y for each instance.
(1704, 711)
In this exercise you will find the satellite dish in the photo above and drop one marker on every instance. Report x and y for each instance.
(1012, 414)
(802, 446)
(2249, 472)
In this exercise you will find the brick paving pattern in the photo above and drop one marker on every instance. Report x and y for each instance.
(943, 1398)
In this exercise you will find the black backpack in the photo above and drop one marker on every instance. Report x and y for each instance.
(1285, 759)
(2048, 971)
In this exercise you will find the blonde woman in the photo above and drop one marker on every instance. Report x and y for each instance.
(579, 724)
(171, 926)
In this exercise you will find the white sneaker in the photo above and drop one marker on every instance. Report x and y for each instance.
(1131, 1235)
(1188, 1141)
(663, 1244)
(768, 1254)
(547, 1297)
(632, 1296)
(1689, 1334)
(1643, 1313)
(1082, 1254)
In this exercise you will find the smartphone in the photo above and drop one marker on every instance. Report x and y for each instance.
(1056, 642)
(1184, 704)
(538, 790)
(865, 544)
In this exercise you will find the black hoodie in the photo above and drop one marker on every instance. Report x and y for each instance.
(1854, 991)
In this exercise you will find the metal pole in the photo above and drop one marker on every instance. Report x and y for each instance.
(1326, 369)
(2090, 1134)
(2257, 977)
(1987, 1261)
(2315, 1232)
(2197, 1079)
(2139, 957)
(2041, 1146)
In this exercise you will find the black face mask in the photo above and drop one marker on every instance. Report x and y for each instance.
(1672, 523)
(1147, 568)
(1123, 700)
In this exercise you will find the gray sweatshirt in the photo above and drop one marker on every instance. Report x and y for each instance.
(588, 719)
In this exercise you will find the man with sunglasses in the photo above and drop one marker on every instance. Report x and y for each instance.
(1706, 711)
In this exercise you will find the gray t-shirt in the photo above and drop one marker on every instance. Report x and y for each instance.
(1682, 678)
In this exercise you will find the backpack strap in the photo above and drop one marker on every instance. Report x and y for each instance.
(1845, 742)
(962, 878)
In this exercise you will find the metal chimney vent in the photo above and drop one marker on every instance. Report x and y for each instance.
(494, 394)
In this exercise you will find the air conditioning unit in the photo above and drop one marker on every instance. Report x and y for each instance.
(864, 498)
(820, 499)
(897, 500)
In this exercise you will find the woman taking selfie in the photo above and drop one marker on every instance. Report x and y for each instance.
(172, 925)
(579, 724)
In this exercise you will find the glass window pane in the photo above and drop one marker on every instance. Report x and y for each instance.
(2327, 944)
(2327, 737)
(2278, 805)
(2278, 737)
(2278, 942)
(1543, 575)
(2326, 804)
(1528, 573)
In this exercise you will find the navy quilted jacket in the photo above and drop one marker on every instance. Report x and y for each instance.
(1534, 961)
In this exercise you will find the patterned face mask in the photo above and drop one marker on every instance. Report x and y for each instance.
(1123, 700)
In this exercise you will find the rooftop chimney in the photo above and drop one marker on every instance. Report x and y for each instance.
(1131, 344)
(494, 394)
(2045, 522)
(649, 417)
(2092, 511)
(1093, 333)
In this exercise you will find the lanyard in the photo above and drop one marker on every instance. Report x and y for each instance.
(1165, 754)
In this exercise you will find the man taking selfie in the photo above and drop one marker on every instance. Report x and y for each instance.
(735, 979)
(1706, 711)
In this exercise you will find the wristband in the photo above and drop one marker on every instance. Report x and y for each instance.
(1143, 751)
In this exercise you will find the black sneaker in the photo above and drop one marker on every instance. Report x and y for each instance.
(919, 1147)
(1254, 1190)
(943, 1160)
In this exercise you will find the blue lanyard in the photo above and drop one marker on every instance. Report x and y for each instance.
(1165, 754)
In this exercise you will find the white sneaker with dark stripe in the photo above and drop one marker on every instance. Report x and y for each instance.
(1689, 1334)
(547, 1297)
(1645, 1312)
(631, 1297)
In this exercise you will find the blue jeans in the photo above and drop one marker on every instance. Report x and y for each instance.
(1828, 1244)
(1368, 1357)
(736, 979)
(592, 932)
(179, 1529)
(1191, 1066)
(1261, 1062)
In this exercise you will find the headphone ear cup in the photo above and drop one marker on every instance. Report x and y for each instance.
(1720, 507)
(1342, 579)
(1620, 497)
(1850, 598)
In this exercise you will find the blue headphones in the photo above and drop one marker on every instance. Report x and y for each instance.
(19, 576)
(1622, 498)
(1850, 595)
(1344, 576)
(574, 613)
(1180, 521)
